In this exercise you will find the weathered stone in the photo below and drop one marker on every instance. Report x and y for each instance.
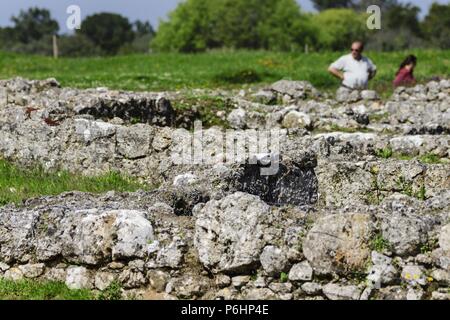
(369, 95)
(259, 294)
(367, 292)
(55, 274)
(158, 280)
(3, 97)
(444, 238)
(132, 279)
(32, 270)
(273, 260)
(186, 179)
(229, 233)
(382, 271)
(295, 90)
(414, 294)
(104, 279)
(301, 272)
(79, 278)
(134, 142)
(89, 131)
(14, 274)
(134, 233)
(281, 288)
(4, 266)
(405, 232)
(222, 281)
(288, 183)
(338, 243)
(441, 276)
(295, 119)
(240, 281)
(265, 97)
(337, 292)
(392, 293)
(436, 295)
(188, 286)
(311, 288)
(237, 119)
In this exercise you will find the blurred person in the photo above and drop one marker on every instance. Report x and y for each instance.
(405, 74)
(354, 69)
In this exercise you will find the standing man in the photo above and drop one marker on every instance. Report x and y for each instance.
(354, 69)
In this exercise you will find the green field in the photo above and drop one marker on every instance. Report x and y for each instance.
(224, 69)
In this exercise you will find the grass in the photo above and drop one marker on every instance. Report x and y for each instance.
(284, 277)
(27, 289)
(429, 246)
(430, 159)
(37, 290)
(18, 183)
(385, 153)
(224, 69)
(379, 244)
(207, 108)
(406, 187)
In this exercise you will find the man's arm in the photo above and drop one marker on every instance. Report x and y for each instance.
(335, 72)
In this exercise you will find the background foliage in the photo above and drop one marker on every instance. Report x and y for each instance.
(198, 26)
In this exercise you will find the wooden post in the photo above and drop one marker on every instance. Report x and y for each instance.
(306, 48)
(55, 46)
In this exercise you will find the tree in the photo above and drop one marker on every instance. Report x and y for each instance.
(198, 25)
(362, 5)
(188, 29)
(34, 24)
(403, 16)
(332, 4)
(108, 31)
(400, 28)
(77, 45)
(143, 28)
(436, 26)
(287, 28)
(337, 28)
(7, 38)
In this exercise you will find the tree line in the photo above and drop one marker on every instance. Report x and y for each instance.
(100, 34)
(198, 25)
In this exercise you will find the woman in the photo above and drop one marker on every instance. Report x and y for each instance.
(405, 74)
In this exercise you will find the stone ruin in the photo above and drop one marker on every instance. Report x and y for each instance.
(357, 210)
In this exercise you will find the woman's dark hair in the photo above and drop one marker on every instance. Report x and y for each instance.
(411, 59)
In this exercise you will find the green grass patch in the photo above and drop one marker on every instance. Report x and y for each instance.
(207, 108)
(27, 289)
(225, 69)
(18, 183)
(430, 159)
(379, 244)
(385, 153)
(403, 157)
(429, 246)
(284, 277)
(406, 187)
(378, 117)
(37, 290)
